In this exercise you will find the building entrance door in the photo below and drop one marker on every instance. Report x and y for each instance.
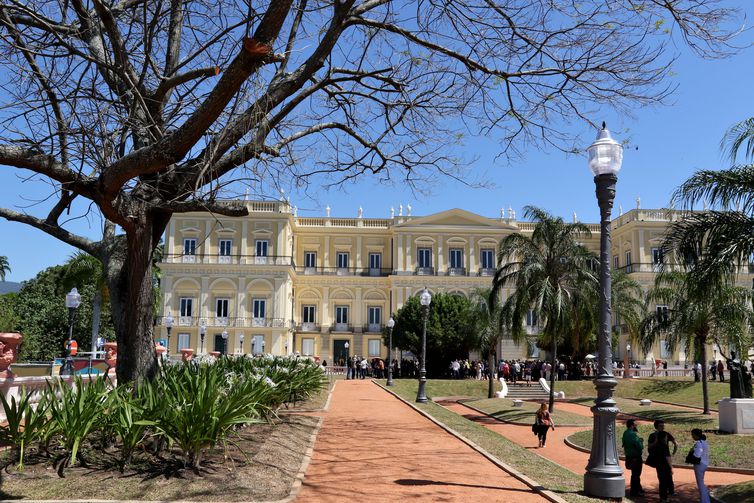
(219, 343)
(340, 351)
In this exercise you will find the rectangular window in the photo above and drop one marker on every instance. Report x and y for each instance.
(424, 257)
(341, 315)
(310, 259)
(187, 304)
(221, 308)
(628, 259)
(189, 246)
(257, 344)
(455, 258)
(225, 246)
(374, 348)
(375, 317)
(309, 314)
(616, 261)
(307, 347)
(657, 256)
(664, 349)
(258, 308)
(184, 341)
(342, 260)
(262, 245)
(375, 260)
(662, 314)
(531, 318)
(487, 258)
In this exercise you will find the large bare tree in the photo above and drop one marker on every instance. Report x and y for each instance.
(136, 110)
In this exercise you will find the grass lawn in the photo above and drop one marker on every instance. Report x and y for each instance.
(736, 493)
(470, 388)
(667, 389)
(259, 464)
(550, 475)
(503, 409)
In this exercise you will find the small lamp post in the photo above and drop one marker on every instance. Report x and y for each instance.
(348, 367)
(604, 476)
(390, 325)
(627, 363)
(262, 346)
(253, 346)
(240, 340)
(225, 341)
(169, 328)
(202, 333)
(286, 348)
(72, 302)
(426, 300)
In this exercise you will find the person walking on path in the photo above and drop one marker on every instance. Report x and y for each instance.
(701, 451)
(633, 445)
(721, 370)
(543, 424)
(661, 458)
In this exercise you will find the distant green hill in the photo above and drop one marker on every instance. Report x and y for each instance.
(9, 287)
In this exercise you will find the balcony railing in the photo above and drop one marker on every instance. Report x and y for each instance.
(486, 271)
(456, 271)
(341, 327)
(344, 271)
(425, 271)
(226, 322)
(308, 327)
(372, 327)
(228, 259)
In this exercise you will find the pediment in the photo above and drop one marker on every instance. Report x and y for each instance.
(455, 218)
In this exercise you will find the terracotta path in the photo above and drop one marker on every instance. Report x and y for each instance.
(372, 447)
(574, 460)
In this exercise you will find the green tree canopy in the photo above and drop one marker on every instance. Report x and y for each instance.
(450, 332)
(40, 315)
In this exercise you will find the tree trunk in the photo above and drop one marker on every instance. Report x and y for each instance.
(552, 371)
(491, 361)
(129, 275)
(705, 391)
(96, 313)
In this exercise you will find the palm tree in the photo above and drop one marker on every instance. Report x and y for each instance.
(700, 308)
(549, 271)
(4, 267)
(727, 232)
(82, 268)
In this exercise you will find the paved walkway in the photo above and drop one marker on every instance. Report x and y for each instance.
(576, 461)
(373, 447)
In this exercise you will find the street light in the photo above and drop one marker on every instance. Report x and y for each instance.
(72, 302)
(225, 341)
(627, 363)
(390, 325)
(604, 476)
(240, 339)
(169, 327)
(262, 346)
(286, 348)
(348, 367)
(421, 395)
(202, 333)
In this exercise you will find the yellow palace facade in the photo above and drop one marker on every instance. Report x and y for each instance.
(274, 282)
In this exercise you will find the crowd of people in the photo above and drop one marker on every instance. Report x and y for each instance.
(520, 371)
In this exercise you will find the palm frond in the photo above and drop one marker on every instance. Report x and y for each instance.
(739, 135)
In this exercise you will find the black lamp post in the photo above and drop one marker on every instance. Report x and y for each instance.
(421, 395)
(72, 302)
(202, 333)
(253, 347)
(169, 328)
(604, 476)
(240, 339)
(349, 371)
(225, 342)
(262, 346)
(390, 325)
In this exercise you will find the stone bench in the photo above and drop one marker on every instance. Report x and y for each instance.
(518, 403)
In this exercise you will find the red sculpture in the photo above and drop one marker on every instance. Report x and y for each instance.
(111, 353)
(187, 354)
(9, 342)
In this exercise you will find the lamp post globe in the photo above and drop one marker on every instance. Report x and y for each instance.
(202, 333)
(169, 327)
(72, 302)
(224, 335)
(604, 476)
(390, 325)
(425, 299)
(240, 340)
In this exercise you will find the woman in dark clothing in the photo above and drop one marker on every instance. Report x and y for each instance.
(543, 422)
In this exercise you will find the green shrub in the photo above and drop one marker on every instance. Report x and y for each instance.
(25, 423)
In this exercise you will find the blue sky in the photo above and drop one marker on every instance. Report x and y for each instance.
(667, 144)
